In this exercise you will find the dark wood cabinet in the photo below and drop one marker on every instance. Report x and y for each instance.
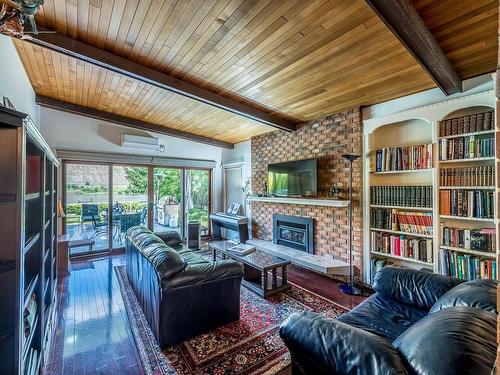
(28, 244)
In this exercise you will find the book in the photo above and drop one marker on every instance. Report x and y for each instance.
(466, 266)
(402, 246)
(467, 147)
(403, 158)
(408, 222)
(466, 124)
(409, 196)
(469, 176)
(242, 249)
(482, 239)
(467, 203)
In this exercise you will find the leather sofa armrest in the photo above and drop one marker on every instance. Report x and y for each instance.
(204, 272)
(321, 345)
(416, 288)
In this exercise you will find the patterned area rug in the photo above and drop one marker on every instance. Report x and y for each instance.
(251, 346)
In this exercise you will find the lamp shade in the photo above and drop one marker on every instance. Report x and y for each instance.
(60, 211)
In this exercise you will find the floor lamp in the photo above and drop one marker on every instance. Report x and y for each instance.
(349, 288)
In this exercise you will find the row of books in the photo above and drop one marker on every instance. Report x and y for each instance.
(31, 365)
(467, 124)
(400, 245)
(470, 176)
(409, 222)
(409, 196)
(403, 158)
(469, 239)
(29, 316)
(466, 203)
(465, 266)
(466, 147)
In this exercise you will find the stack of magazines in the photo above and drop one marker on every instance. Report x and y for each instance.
(242, 249)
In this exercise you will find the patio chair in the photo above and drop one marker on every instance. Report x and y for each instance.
(100, 227)
(144, 212)
(129, 221)
(88, 210)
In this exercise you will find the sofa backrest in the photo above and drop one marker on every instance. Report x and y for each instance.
(416, 288)
(481, 294)
(166, 261)
(455, 340)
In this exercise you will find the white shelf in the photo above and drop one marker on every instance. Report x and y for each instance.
(410, 208)
(401, 172)
(467, 251)
(399, 232)
(427, 264)
(466, 188)
(466, 218)
(469, 160)
(301, 201)
(468, 134)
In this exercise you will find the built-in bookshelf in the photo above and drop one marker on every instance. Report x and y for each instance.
(467, 203)
(28, 229)
(459, 182)
(400, 194)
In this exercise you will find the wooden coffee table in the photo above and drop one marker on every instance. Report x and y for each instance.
(260, 269)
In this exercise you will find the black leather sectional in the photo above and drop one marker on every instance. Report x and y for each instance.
(416, 323)
(181, 293)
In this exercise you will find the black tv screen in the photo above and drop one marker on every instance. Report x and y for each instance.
(293, 178)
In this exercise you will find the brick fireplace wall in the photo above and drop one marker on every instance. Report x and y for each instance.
(325, 139)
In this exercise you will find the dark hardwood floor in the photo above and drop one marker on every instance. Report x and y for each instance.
(93, 334)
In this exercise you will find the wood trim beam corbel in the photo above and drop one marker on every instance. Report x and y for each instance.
(401, 17)
(86, 52)
(61, 105)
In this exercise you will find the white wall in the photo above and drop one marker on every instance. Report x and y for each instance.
(242, 153)
(471, 86)
(14, 82)
(66, 131)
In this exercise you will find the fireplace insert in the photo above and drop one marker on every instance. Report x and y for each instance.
(294, 231)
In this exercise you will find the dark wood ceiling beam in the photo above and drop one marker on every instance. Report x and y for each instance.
(61, 105)
(401, 17)
(85, 52)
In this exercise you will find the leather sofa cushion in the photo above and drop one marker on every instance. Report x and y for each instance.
(171, 238)
(417, 288)
(166, 261)
(202, 273)
(192, 258)
(477, 293)
(383, 316)
(322, 346)
(456, 340)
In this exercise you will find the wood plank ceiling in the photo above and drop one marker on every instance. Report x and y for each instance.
(301, 59)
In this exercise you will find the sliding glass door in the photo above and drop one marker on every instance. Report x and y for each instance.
(87, 203)
(102, 201)
(197, 198)
(130, 200)
(168, 199)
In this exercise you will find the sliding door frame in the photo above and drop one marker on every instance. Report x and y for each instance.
(150, 199)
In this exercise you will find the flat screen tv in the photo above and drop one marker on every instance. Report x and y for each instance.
(293, 178)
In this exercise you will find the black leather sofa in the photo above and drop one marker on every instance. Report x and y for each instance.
(181, 293)
(416, 323)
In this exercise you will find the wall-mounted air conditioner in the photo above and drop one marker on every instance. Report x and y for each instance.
(141, 142)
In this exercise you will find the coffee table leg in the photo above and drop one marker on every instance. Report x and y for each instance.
(215, 254)
(264, 280)
(283, 275)
(275, 278)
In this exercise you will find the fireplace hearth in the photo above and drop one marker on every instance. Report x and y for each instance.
(294, 231)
